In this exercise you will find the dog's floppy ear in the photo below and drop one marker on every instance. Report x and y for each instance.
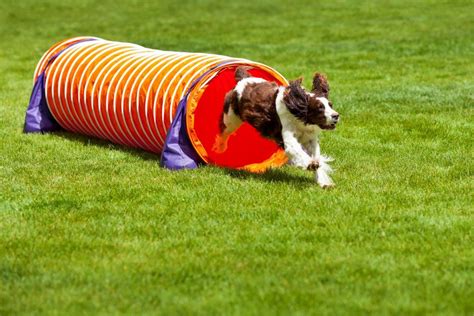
(295, 86)
(297, 82)
(295, 89)
(320, 85)
(242, 72)
(296, 99)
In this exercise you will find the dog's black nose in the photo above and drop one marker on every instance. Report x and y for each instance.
(335, 117)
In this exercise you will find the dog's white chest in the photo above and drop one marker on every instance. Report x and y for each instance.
(306, 133)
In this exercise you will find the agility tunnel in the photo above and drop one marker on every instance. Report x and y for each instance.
(165, 102)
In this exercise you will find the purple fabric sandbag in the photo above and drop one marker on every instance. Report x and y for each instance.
(38, 118)
(178, 152)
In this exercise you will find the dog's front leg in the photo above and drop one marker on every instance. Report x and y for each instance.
(322, 173)
(310, 147)
(295, 152)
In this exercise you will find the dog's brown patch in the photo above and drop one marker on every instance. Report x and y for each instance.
(257, 107)
(315, 114)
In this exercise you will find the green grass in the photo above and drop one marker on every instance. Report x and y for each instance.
(87, 227)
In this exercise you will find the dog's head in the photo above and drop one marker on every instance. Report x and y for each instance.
(312, 108)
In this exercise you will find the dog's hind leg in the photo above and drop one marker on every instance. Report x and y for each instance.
(229, 122)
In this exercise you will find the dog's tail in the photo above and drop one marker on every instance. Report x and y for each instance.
(242, 72)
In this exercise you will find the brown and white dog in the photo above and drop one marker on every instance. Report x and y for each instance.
(288, 115)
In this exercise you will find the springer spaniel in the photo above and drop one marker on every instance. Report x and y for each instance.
(288, 115)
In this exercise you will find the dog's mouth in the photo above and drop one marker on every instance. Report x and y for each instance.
(329, 126)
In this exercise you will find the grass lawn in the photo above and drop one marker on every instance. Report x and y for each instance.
(87, 227)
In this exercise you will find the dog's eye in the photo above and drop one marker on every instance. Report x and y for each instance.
(330, 104)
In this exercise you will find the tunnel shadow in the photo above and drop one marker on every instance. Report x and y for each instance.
(271, 175)
(105, 144)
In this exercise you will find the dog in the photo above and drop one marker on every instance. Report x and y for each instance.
(291, 116)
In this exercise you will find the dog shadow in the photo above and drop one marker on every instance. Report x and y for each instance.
(273, 175)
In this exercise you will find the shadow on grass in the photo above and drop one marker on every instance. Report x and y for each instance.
(97, 142)
(272, 175)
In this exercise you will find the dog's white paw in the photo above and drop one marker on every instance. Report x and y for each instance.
(323, 179)
(327, 186)
(322, 174)
(300, 162)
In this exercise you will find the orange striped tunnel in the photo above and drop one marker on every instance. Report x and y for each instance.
(129, 95)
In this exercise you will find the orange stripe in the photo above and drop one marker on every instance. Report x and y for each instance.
(93, 86)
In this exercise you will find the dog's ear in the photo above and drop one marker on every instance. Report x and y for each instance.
(296, 82)
(320, 85)
(296, 99)
(242, 72)
(294, 86)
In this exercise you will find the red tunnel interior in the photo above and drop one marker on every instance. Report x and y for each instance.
(245, 146)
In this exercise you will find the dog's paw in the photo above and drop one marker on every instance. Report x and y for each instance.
(327, 186)
(313, 165)
(220, 145)
(323, 179)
